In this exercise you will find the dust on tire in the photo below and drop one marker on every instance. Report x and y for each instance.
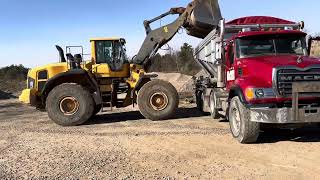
(80, 94)
(148, 90)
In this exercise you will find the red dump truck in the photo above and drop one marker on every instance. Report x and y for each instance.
(258, 70)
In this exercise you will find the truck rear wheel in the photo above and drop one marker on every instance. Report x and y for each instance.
(214, 111)
(69, 105)
(242, 128)
(200, 101)
(158, 100)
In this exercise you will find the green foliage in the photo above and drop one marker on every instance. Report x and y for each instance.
(13, 72)
(315, 49)
(181, 61)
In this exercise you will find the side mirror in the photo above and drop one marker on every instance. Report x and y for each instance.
(218, 51)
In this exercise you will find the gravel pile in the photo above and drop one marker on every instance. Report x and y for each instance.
(183, 83)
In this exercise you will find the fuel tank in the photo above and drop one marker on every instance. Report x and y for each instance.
(204, 18)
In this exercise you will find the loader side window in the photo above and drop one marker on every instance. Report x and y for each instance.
(112, 53)
(104, 52)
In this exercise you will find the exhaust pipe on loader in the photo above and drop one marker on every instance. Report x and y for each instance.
(205, 17)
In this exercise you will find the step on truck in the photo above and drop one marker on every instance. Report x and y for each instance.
(258, 71)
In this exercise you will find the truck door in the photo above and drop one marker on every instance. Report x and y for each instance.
(230, 64)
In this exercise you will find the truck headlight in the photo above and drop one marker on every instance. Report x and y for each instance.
(259, 93)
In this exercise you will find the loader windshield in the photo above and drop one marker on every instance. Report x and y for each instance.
(270, 45)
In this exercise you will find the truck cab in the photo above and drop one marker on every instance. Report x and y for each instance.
(264, 74)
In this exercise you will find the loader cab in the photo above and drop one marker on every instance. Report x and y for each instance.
(109, 57)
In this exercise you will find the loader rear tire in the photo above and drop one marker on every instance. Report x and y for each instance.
(158, 100)
(242, 128)
(69, 105)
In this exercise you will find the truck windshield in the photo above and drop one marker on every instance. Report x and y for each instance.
(270, 45)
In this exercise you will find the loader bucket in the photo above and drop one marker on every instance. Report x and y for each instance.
(205, 17)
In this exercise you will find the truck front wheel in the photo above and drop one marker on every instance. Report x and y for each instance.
(69, 105)
(158, 100)
(242, 128)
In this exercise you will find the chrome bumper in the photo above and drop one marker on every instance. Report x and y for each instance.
(294, 114)
(284, 115)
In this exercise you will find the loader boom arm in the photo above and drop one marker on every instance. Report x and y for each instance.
(158, 37)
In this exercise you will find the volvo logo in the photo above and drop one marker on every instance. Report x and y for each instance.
(300, 78)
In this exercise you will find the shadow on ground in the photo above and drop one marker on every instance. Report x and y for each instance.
(5, 95)
(182, 113)
(275, 133)
(309, 133)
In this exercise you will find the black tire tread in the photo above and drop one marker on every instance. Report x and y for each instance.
(251, 130)
(215, 114)
(70, 87)
(143, 100)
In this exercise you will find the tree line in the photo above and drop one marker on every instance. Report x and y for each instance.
(13, 72)
(181, 61)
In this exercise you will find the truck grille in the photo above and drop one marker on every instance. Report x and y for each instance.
(285, 78)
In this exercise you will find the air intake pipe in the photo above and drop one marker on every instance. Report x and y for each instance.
(61, 54)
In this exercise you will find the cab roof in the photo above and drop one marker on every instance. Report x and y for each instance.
(106, 39)
(257, 33)
(249, 20)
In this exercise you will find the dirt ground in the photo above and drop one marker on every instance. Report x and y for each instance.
(123, 145)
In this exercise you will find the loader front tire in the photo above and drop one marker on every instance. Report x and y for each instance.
(69, 105)
(158, 100)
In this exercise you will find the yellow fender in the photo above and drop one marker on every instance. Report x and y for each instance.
(28, 96)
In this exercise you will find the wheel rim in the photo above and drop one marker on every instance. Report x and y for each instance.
(235, 120)
(69, 106)
(159, 101)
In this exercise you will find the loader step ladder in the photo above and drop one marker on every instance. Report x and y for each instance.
(107, 104)
(109, 98)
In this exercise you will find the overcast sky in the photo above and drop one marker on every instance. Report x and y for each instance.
(30, 28)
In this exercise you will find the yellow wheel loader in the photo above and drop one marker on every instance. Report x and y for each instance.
(74, 90)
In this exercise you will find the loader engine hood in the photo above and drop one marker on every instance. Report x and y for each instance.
(205, 17)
